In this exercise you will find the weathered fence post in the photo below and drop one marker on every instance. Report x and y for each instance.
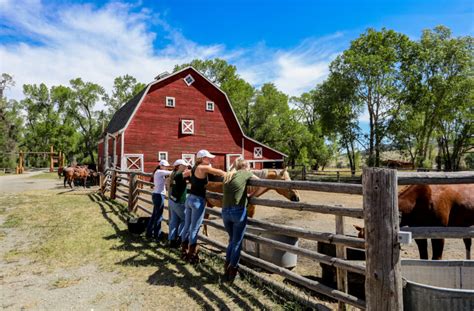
(102, 180)
(338, 177)
(132, 192)
(383, 284)
(341, 253)
(303, 172)
(113, 185)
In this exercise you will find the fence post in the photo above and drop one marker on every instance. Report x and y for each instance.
(303, 172)
(101, 183)
(132, 192)
(113, 185)
(383, 284)
(341, 253)
(338, 177)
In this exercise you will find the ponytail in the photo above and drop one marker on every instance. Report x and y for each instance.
(236, 166)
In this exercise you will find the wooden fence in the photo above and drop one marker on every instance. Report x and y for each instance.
(382, 270)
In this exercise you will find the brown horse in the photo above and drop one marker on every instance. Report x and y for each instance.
(72, 173)
(274, 174)
(436, 206)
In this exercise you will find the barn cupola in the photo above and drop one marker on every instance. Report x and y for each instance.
(162, 75)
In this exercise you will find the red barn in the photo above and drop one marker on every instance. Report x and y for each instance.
(174, 117)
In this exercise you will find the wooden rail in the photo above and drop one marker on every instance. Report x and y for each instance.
(440, 232)
(405, 178)
(308, 185)
(298, 206)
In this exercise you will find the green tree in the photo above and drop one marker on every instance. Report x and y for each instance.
(10, 124)
(47, 120)
(80, 106)
(372, 65)
(437, 77)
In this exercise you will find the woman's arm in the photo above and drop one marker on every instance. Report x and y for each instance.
(258, 191)
(213, 171)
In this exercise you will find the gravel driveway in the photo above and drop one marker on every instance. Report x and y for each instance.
(19, 183)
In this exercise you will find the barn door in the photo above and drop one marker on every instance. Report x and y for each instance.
(230, 158)
(133, 162)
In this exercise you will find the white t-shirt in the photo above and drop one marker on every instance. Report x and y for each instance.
(159, 180)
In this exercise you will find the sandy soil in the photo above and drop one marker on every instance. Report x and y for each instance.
(19, 183)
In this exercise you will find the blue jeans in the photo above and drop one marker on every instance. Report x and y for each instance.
(154, 226)
(235, 221)
(194, 215)
(176, 224)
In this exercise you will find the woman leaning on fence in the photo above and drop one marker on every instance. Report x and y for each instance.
(177, 198)
(234, 212)
(196, 204)
(153, 229)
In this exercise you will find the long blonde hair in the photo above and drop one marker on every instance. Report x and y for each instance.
(236, 166)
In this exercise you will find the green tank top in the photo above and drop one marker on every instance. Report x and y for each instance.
(178, 187)
(235, 190)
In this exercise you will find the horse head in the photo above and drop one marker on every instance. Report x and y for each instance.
(290, 194)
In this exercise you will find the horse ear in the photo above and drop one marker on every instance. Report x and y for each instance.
(357, 227)
(282, 173)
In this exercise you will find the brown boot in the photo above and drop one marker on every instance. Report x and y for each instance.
(232, 274)
(226, 271)
(193, 256)
(184, 250)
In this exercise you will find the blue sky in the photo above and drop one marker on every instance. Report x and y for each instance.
(289, 43)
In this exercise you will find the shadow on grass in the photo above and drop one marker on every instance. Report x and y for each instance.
(171, 270)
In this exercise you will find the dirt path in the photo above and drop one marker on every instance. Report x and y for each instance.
(24, 182)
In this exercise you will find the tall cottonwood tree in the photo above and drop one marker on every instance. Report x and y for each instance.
(438, 100)
(81, 107)
(372, 63)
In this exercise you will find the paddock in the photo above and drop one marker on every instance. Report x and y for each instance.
(377, 208)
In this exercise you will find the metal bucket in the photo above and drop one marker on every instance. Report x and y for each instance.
(278, 257)
(438, 285)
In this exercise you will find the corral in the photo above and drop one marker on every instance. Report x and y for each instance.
(380, 213)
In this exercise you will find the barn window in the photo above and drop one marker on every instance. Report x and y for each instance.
(257, 152)
(209, 106)
(187, 127)
(189, 80)
(162, 155)
(188, 157)
(170, 101)
(133, 162)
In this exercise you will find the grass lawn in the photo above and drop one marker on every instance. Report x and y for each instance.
(70, 229)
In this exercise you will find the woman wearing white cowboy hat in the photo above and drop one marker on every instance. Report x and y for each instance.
(153, 229)
(196, 203)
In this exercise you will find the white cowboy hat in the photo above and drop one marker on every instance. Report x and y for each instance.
(164, 163)
(180, 162)
(205, 154)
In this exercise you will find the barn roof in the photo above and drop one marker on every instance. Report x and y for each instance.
(122, 117)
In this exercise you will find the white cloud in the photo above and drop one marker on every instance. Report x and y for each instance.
(99, 43)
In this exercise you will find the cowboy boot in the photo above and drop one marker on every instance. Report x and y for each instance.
(184, 250)
(232, 273)
(193, 256)
(226, 271)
